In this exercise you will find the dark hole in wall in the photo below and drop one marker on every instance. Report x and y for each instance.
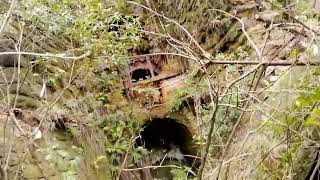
(140, 74)
(165, 134)
(174, 140)
(59, 124)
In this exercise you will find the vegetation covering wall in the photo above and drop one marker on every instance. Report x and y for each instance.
(232, 87)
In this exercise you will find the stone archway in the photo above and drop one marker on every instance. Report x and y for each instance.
(167, 135)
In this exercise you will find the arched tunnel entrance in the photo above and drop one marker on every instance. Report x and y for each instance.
(168, 135)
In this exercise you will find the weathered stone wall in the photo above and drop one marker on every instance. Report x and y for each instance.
(50, 157)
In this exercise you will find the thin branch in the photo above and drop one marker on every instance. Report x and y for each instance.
(293, 18)
(18, 49)
(13, 3)
(48, 55)
(204, 53)
(227, 162)
(244, 32)
(240, 78)
(285, 125)
(254, 131)
(123, 163)
(305, 62)
(156, 54)
(16, 123)
(152, 167)
(225, 151)
(315, 169)
(256, 68)
(274, 63)
(209, 137)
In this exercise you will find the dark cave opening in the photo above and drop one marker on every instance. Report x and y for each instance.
(140, 74)
(165, 134)
(172, 144)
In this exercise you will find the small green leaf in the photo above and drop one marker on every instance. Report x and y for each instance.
(312, 120)
(316, 111)
(294, 54)
(301, 101)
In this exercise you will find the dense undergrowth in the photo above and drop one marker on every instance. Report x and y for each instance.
(282, 114)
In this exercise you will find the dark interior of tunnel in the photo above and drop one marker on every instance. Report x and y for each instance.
(164, 134)
(140, 74)
(172, 138)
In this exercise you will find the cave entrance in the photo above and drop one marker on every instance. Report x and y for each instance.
(166, 134)
(169, 143)
(140, 74)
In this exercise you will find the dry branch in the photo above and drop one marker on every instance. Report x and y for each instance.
(209, 138)
(292, 17)
(273, 63)
(4, 23)
(88, 53)
(259, 54)
(204, 53)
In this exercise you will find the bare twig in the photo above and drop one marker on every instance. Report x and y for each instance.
(48, 55)
(123, 163)
(267, 63)
(292, 17)
(5, 21)
(18, 49)
(315, 169)
(255, 68)
(254, 131)
(12, 116)
(227, 162)
(209, 137)
(204, 53)
(152, 167)
(226, 149)
(306, 62)
(244, 32)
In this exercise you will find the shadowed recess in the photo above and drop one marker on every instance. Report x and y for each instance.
(165, 134)
(140, 74)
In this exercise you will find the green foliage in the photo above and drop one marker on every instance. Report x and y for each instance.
(102, 27)
(304, 11)
(302, 106)
(178, 174)
(58, 157)
(308, 101)
(293, 55)
(120, 130)
(94, 25)
(192, 88)
(3, 9)
(314, 118)
(298, 122)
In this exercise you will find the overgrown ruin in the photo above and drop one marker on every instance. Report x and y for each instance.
(159, 90)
